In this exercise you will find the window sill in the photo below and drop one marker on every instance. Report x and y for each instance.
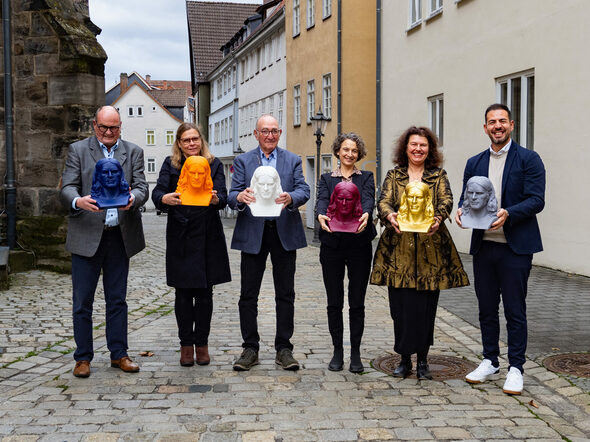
(311, 27)
(414, 26)
(434, 14)
(296, 35)
(326, 17)
(296, 124)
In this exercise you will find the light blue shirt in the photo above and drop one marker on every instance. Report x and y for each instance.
(112, 216)
(270, 161)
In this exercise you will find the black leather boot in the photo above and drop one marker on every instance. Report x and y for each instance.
(423, 371)
(356, 366)
(337, 362)
(404, 369)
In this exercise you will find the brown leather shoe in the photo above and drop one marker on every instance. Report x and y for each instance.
(82, 369)
(187, 355)
(203, 355)
(125, 364)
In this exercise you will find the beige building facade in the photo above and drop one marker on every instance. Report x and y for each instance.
(444, 64)
(320, 69)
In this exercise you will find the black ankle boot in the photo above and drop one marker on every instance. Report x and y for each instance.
(423, 371)
(337, 362)
(356, 366)
(404, 369)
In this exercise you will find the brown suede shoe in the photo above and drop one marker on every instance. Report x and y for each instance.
(187, 358)
(82, 369)
(125, 364)
(203, 355)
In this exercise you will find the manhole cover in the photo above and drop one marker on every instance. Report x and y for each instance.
(576, 364)
(441, 367)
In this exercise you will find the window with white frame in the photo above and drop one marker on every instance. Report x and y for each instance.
(271, 49)
(150, 137)
(271, 105)
(434, 6)
(140, 111)
(278, 48)
(517, 91)
(222, 131)
(436, 116)
(216, 136)
(234, 77)
(310, 13)
(151, 165)
(326, 8)
(296, 18)
(210, 130)
(310, 100)
(327, 95)
(231, 128)
(414, 13)
(258, 58)
(263, 106)
(169, 137)
(280, 109)
(242, 70)
(219, 87)
(225, 83)
(296, 105)
(326, 163)
(130, 111)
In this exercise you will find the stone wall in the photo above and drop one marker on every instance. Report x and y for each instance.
(58, 83)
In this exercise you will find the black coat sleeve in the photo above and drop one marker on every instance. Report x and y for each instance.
(218, 178)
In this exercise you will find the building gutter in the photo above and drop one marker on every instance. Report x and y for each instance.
(9, 189)
(378, 101)
(339, 71)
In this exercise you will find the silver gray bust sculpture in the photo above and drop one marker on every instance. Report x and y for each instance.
(479, 204)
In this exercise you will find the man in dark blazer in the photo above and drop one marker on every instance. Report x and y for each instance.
(257, 237)
(102, 239)
(502, 255)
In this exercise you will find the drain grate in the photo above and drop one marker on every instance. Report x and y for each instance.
(576, 364)
(442, 367)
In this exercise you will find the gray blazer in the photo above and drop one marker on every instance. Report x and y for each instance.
(249, 229)
(85, 228)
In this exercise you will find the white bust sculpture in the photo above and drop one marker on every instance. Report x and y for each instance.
(479, 204)
(267, 188)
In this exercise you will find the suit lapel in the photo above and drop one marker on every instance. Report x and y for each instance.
(512, 152)
(121, 152)
(95, 150)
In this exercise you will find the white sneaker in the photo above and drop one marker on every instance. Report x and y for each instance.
(484, 371)
(514, 381)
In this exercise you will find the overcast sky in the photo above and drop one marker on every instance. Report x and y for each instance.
(146, 36)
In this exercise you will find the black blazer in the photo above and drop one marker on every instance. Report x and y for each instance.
(366, 185)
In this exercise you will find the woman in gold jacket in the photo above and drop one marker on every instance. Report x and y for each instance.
(416, 266)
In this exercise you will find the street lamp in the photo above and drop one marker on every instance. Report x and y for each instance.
(319, 121)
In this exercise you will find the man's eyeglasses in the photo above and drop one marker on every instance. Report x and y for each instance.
(267, 132)
(104, 129)
(190, 140)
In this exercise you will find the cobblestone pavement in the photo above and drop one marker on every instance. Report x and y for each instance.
(41, 400)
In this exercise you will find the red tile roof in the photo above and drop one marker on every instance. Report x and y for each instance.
(170, 97)
(211, 25)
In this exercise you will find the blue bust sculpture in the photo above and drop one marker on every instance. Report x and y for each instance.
(109, 187)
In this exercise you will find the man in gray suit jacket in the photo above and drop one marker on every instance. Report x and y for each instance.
(102, 239)
(257, 237)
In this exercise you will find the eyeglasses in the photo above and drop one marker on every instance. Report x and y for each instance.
(104, 129)
(190, 140)
(266, 132)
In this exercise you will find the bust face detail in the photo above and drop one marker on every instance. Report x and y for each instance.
(265, 187)
(197, 176)
(110, 176)
(416, 201)
(477, 195)
(344, 202)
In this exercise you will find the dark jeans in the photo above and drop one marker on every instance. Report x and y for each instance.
(283, 272)
(499, 272)
(112, 259)
(193, 309)
(356, 259)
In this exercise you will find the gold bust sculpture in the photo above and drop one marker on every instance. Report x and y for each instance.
(416, 212)
(195, 183)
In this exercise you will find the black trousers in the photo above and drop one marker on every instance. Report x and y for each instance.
(355, 258)
(499, 272)
(283, 272)
(413, 313)
(193, 309)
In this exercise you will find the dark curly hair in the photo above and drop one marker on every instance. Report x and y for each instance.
(400, 157)
(360, 144)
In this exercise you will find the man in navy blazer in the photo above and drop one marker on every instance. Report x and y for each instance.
(257, 237)
(502, 255)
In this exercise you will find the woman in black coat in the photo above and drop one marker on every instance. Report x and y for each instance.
(352, 251)
(196, 252)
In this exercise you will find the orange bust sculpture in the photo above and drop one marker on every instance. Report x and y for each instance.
(195, 183)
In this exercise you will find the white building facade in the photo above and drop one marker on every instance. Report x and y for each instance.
(149, 125)
(443, 64)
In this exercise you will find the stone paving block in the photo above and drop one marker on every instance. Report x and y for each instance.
(450, 433)
(413, 433)
(337, 435)
(528, 432)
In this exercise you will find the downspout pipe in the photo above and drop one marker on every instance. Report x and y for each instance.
(378, 100)
(10, 189)
(339, 70)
